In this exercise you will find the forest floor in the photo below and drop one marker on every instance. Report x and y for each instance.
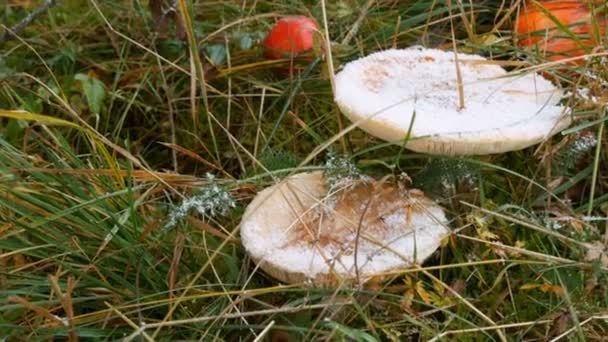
(120, 124)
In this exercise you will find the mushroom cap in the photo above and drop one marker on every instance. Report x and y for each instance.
(383, 92)
(290, 36)
(538, 26)
(297, 232)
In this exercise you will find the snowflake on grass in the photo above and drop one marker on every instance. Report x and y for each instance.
(210, 201)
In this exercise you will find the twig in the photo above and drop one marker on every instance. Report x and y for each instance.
(330, 68)
(130, 322)
(461, 103)
(15, 30)
(327, 41)
(499, 331)
(569, 331)
(353, 30)
(495, 327)
(264, 332)
(596, 164)
(285, 309)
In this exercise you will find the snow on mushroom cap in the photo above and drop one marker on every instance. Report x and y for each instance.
(383, 92)
(297, 232)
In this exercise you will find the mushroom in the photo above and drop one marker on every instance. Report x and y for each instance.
(289, 37)
(548, 26)
(300, 231)
(419, 95)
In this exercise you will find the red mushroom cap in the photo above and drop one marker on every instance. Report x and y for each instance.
(289, 37)
(535, 27)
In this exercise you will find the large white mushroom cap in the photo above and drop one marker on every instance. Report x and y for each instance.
(388, 92)
(297, 232)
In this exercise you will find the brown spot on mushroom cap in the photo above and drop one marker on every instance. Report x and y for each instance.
(374, 77)
(366, 208)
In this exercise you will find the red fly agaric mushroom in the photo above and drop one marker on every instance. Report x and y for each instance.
(420, 95)
(301, 231)
(538, 25)
(290, 37)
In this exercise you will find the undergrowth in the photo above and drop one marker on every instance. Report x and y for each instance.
(127, 159)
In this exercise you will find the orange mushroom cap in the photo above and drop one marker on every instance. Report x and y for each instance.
(290, 36)
(535, 27)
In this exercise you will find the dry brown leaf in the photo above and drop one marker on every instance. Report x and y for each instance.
(597, 251)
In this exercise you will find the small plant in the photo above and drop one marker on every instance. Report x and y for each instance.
(569, 157)
(446, 177)
(274, 160)
(340, 170)
(211, 201)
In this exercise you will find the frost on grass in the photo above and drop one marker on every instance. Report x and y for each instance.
(210, 201)
(340, 171)
(567, 159)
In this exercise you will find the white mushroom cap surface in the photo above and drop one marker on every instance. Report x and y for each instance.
(381, 93)
(297, 232)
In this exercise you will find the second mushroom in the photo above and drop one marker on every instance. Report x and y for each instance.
(412, 96)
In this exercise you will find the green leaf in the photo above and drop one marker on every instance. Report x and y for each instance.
(46, 119)
(94, 91)
(355, 334)
(5, 71)
(216, 53)
(246, 42)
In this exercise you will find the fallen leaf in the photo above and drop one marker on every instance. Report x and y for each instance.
(597, 251)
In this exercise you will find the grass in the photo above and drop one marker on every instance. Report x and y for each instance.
(122, 133)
